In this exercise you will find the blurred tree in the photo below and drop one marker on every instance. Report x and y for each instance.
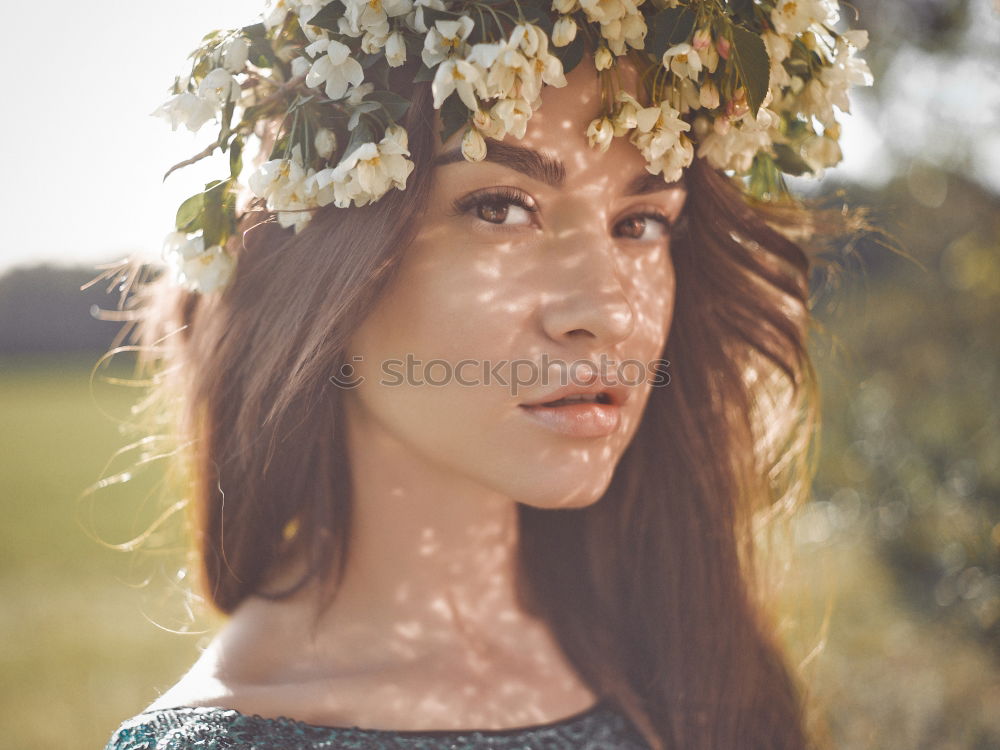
(43, 310)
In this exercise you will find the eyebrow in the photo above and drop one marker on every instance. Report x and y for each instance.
(548, 170)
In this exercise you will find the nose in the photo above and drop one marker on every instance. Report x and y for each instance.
(584, 298)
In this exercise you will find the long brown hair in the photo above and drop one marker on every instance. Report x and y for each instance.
(653, 591)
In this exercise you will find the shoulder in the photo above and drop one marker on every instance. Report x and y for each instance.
(167, 729)
(213, 728)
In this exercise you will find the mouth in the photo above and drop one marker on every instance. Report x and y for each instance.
(577, 416)
(595, 398)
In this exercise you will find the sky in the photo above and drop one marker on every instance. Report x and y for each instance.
(85, 159)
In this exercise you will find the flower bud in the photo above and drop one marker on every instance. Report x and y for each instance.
(325, 142)
(395, 50)
(600, 132)
(235, 53)
(564, 31)
(723, 47)
(473, 145)
(603, 59)
(708, 97)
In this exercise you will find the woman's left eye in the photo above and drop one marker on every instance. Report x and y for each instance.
(637, 227)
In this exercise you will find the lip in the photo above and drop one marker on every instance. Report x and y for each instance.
(617, 394)
(585, 420)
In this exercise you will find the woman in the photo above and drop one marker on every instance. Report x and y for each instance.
(413, 549)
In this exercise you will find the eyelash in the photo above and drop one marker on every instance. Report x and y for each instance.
(502, 195)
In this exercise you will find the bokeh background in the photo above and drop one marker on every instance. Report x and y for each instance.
(899, 549)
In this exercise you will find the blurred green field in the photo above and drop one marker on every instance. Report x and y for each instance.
(77, 652)
(83, 644)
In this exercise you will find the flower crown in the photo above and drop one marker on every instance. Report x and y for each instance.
(750, 85)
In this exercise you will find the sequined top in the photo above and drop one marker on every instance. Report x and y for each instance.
(600, 727)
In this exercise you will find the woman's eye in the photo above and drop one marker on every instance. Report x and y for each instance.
(502, 212)
(503, 208)
(645, 227)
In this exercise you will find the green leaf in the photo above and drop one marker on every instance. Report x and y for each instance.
(669, 27)
(236, 158)
(538, 13)
(281, 145)
(365, 106)
(227, 123)
(367, 59)
(360, 135)
(454, 115)
(392, 102)
(189, 214)
(424, 74)
(432, 15)
(260, 53)
(254, 31)
(214, 224)
(753, 66)
(327, 17)
(789, 161)
(742, 10)
(571, 54)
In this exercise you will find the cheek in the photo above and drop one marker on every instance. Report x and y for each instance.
(652, 293)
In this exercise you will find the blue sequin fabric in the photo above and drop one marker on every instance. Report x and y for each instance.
(187, 728)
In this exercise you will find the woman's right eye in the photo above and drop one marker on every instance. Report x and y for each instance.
(503, 207)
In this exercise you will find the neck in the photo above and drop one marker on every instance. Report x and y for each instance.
(431, 569)
(427, 604)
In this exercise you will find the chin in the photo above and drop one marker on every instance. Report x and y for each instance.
(561, 495)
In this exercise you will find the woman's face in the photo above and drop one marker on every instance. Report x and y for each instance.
(490, 291)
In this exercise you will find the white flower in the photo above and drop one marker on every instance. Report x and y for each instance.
(186, 109)
(395, 50)
(194, 267)
(365, 174)
(846, 70)
(363, 16)
(373, 43)
(671, 161)
(778, 50)
(415, 19)
(514, 114)
(357, 94)
(625, 118)
(733, 144)
(275, 13)
(300, 66)
(660, 136)
(621, 22)
(564, 31)
(709, 55)
(219, 86)
(683, 60)
(820, 152)
(488, 125)
(473, 145)
(603, 58)
(792, 17)
(708, 95)
(455, 74)
(335, 68)
(235, 53)
(287, 188)
(325, 142)
(600, 131)
(445, 40)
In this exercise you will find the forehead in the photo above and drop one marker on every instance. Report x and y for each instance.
(556, 133)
